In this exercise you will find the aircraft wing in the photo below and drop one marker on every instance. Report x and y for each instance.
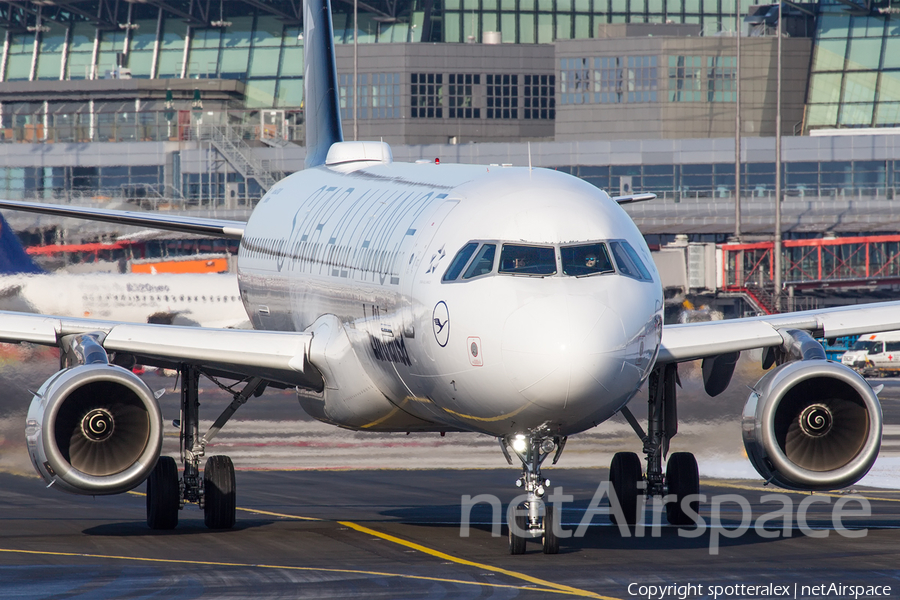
(275, 356)
(216, 227)
(692, 341)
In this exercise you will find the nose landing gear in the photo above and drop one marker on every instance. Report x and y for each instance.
(533, 518)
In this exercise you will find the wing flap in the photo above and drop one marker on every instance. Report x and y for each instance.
(23, 327)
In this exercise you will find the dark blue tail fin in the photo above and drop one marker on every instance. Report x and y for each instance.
(322, 106)
(13, 258)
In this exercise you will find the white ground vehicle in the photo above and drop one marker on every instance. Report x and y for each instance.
(875, 354)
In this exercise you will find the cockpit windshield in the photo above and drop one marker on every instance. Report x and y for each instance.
(628, 261)
(478, 259)
(586, 259)
(459, 261)
(483, 263)
(528, 260)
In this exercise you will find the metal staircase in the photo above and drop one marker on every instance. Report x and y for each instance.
(238, 153)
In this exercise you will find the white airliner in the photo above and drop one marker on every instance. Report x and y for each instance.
(515, 302)
(208, 300)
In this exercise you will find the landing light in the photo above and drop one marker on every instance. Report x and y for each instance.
(548, 446)
(520, 444)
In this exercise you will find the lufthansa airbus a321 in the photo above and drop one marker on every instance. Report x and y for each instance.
(518, 303)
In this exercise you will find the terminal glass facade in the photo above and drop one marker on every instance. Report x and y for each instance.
(855, 73)
(849, 178)
(820, 179)
(543, 21)
(263, 49)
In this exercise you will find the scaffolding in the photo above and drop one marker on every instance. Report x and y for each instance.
(814, 264)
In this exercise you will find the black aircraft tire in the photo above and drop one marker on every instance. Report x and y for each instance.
(219, 498)
(163, 493)
(624, 476)
(550, 541)
(517, 542)
(683, 479)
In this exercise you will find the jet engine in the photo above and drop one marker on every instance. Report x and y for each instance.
(94, 429)
(812, 425)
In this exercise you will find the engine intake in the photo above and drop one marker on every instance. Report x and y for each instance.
(812, 425)
(94, 429)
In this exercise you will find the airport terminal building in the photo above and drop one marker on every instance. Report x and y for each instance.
(186, 104)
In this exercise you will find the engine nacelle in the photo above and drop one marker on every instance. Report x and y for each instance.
(812, 425)
(94, 429)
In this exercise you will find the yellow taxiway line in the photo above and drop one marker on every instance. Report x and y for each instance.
(205, 563)
(542, 584)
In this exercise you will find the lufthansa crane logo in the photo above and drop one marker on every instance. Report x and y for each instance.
(440, 320)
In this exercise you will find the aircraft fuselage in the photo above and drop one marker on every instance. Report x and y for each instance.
(500, 350)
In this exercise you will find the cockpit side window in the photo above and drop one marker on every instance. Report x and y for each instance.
(628, 261)
(586, 259)
(528, 260)
(459, 261)
(483, 262)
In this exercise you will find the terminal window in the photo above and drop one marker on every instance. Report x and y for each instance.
(386, 96)
(426, 95)
(347, 100)
(574, 80)
(608, 85)
(686, 79)
(540, 96)
(502, 96)
(641, 78)
(722, 78)
(459, 96)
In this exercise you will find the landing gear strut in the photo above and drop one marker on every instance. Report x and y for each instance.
(528, 523)
(214, 491)
(681, 478)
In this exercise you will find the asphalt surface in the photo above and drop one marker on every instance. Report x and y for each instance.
(325, 513)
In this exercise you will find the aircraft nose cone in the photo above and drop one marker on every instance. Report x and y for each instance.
(561, 350)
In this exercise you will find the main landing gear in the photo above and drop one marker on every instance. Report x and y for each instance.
(681, 478)
(215, 492)
(533, 518)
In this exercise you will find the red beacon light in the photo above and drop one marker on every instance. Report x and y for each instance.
(437, 161)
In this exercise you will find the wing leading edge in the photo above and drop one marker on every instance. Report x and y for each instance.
(233, 230)
(693, 341)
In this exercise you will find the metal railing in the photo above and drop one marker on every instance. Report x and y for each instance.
(146, 126)
(848, 192)
(230, 143)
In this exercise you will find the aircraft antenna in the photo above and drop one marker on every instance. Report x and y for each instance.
(529, 157)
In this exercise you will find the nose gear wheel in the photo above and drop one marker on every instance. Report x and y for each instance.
(533, 518)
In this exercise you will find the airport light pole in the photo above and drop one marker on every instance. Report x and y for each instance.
(737, 125)
(776, 259)
(355, 72)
